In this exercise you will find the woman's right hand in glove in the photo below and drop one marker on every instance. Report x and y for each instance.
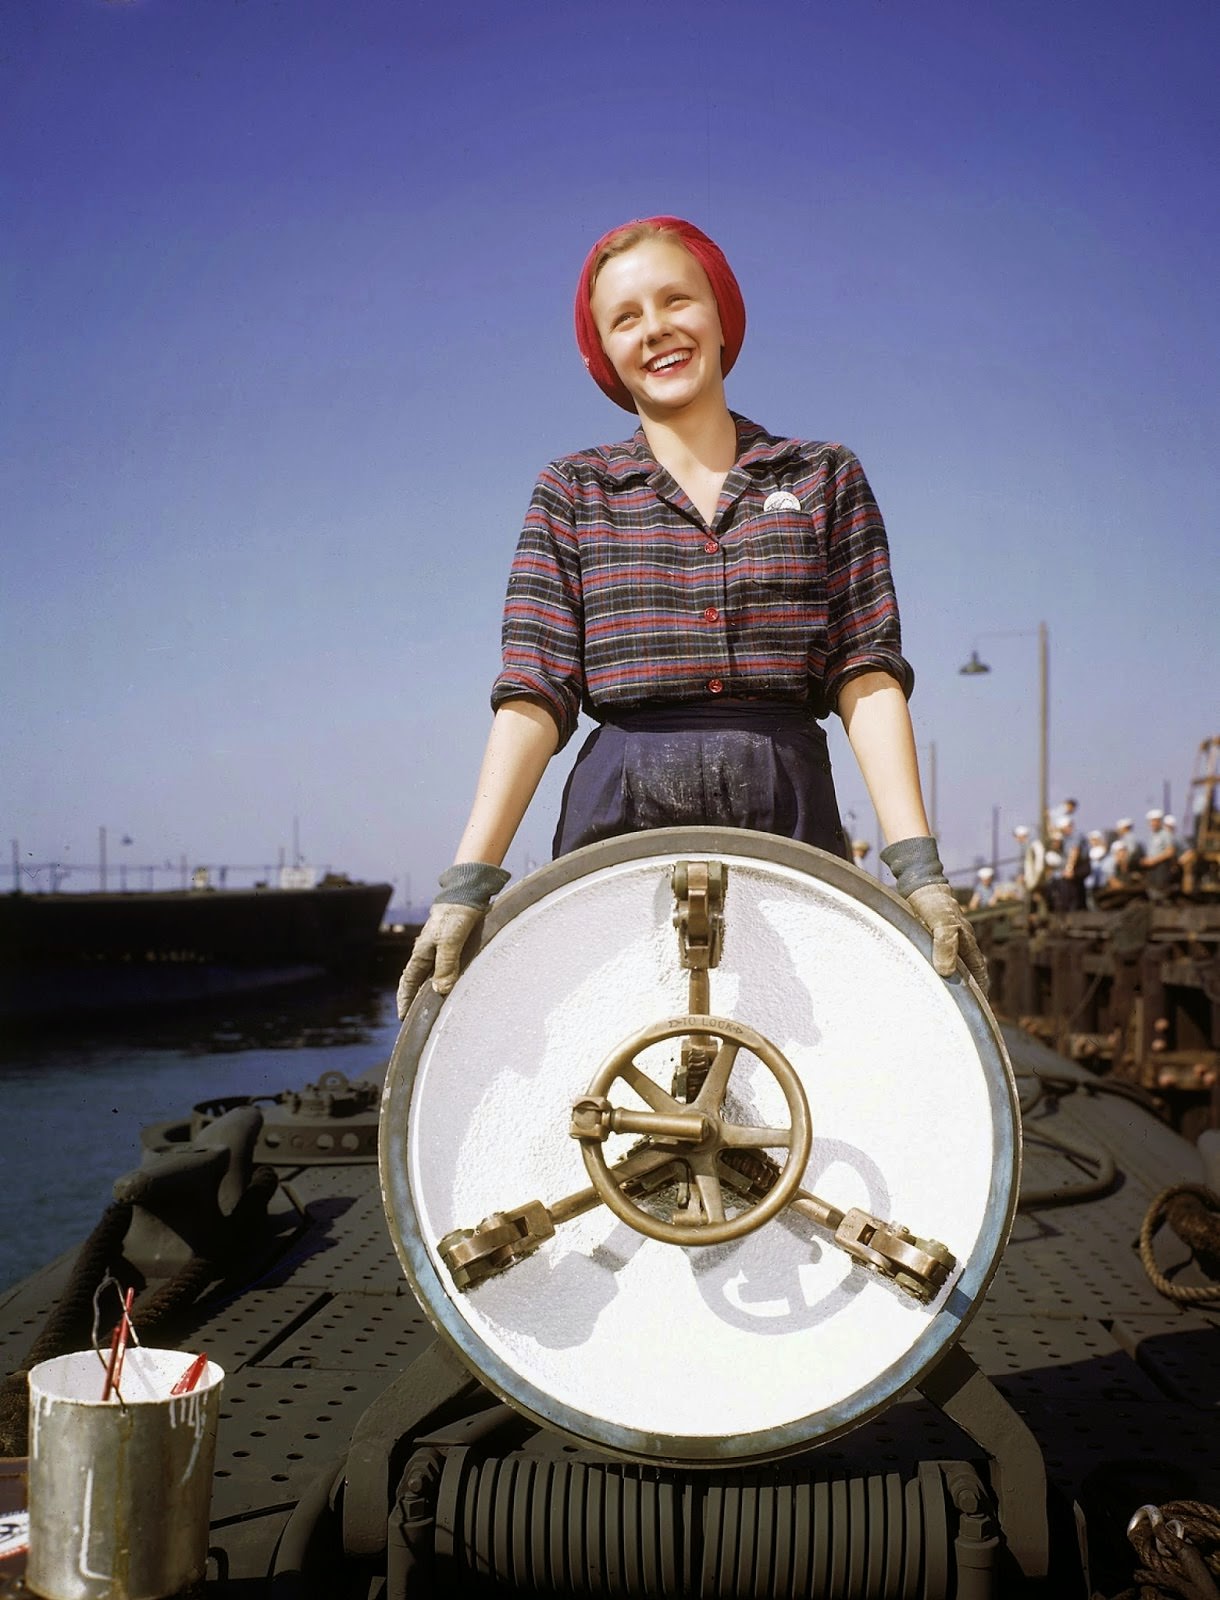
(468, 890)
(437, 951)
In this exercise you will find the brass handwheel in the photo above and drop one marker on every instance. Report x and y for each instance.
(696, 1131)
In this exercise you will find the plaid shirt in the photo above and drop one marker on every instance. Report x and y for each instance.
(621, 594)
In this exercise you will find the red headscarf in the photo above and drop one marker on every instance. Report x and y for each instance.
(724, 287)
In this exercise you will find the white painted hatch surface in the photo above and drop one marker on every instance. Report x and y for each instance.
(751, 1348)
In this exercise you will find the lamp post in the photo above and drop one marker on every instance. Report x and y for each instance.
(102, 861)
(974, 667)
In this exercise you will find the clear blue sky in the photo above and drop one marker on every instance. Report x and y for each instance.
(286, 335)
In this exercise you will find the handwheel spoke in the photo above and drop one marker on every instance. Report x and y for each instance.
(643, 1162)
(735, 1136)
(710, 1194)
(713, 1091)
(649, 1091)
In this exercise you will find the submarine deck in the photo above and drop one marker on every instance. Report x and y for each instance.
(1120, 1385)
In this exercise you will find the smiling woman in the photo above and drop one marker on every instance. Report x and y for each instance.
(659, 325)
(706, 591)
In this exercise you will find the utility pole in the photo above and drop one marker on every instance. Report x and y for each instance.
(995, 840)
(974, 667)
(1043, 733)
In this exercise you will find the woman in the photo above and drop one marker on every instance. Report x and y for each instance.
(705, 590)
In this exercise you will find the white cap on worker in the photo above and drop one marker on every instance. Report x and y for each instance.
(1124, 822)
(1119, 844)
(986, 872)
(1170, 821)
(1155, 815)
(1096, 833)
(1021, 831)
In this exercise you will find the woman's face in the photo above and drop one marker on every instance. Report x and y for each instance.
(660, 326)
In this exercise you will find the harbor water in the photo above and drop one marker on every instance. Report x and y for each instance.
(75, 1100)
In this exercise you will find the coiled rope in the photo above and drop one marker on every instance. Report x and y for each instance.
(70, 1323)
(1193, 1212)
(1177, 1546)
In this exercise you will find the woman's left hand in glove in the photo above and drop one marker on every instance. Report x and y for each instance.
(923, 885)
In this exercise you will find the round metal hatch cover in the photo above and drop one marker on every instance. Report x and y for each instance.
(766, 1344)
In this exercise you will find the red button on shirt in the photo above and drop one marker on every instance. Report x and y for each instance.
(711, 547)
(711, 614)
(715, 685)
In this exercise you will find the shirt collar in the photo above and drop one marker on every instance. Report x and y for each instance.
(633, 458)
(758, 448)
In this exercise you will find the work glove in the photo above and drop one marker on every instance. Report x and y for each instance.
(923, 885)
(467, 891)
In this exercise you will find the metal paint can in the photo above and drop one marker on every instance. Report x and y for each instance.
(120, 1492)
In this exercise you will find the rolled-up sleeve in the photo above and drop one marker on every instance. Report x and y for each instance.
(863, 627)
(543, 632)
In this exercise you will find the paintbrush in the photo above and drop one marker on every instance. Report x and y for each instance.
(191, 1376)
(118, 1349)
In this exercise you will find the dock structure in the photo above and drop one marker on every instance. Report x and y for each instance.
(1133, 992)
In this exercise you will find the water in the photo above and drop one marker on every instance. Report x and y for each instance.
(74, 1102)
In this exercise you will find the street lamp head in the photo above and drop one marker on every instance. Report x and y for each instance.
(974, 666)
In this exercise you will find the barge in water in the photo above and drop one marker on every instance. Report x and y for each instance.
(101, 952)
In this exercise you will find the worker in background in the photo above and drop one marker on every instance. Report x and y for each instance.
(1122, 877)
(1159, 862)
(1066, 813)
(1076, 864)
(1098, 855)
(1052, 886)
(1124, 831)
(984, 890)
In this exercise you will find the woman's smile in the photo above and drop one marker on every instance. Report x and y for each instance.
(668, 362)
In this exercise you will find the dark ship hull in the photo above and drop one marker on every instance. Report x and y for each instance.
(103, 952)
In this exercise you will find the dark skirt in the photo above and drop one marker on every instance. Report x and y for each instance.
(745, 764)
